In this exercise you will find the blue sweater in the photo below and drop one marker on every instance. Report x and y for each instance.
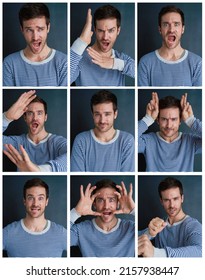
(182, 239)
(85, 73)
(90, 154)
(176, 156)
(153, 70)
(19, 71)
(19, 241)
(95, 242)
(51, 151)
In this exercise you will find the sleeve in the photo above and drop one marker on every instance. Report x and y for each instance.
(76, 53)
(59, 164)
(78, 155)
(143, 125)
(196, 130)
(8, 79)
(143, 76)
(13, 140)
(63, 72)
(192, 243)
(128, 162)
(197, 79)
(125, 64)
(74, 233)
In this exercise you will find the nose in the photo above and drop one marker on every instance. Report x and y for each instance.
(171, 27)
(35, 35)
(169, 123)
(106, 204)
(105, 35)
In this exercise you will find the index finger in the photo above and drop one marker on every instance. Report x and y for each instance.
(89, 16)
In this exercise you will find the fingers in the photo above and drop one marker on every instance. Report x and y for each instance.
(12, 154)
(89, 16)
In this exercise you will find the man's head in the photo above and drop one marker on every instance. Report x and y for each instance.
(107, 20)
(35, 197)
(106, 202)
(169, 118)
(104, 110)
(35, 25)
(36, 115)
(171, 196)
(171, 26)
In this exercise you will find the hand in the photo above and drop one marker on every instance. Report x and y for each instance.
(145, 247)
(186, 108)
(21, 160)
(84, 206)
(104, 62)
(125, 199)
(87, 33)
(153, 106)
(20, 106)
(156, 225)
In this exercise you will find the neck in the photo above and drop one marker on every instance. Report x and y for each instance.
(36, 138)
(105, 136)
(106, 226)
(97, 49)
(37, 57)
(171, 54)
(169, 139)
(35, 224)
(181, 215)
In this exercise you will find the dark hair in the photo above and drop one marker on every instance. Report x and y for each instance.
(103, 96)
(33, 10)
(35, 182)
(170, 9)
(39, 100)
(105, 183)
(170, 102)
(106, 12)
(169, 183)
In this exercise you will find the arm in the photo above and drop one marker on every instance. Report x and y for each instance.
(143, 74)
(78, 155)
(152, 111)
(59, 163)
(124, 63)
(83, 208)
(128, 155)
(8, 78)
(79, 47)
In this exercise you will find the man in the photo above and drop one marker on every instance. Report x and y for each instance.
(182, 237)
(100, 64)
(171, 64)
(38, 150)
(35, 236)
(169, 150)
(37, 64)
(106, 235)
(103, 148)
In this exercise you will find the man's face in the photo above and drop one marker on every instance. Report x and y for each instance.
(106, 203)
(104, 116)
(106, 32)
(35, 201)
(35, 118)
(35, 32)
(171, 30)
(169, 122)
(172, 201)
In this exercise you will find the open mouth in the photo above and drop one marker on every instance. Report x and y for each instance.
(107, 213)
(171, 38)
(36, 45)
(35, 125)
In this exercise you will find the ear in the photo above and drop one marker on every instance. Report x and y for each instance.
(183, 29)
(47, 201)
(115, 114)
(46, 117)
(49, 25)
(159, 29)
(118, 30)
(182, 198)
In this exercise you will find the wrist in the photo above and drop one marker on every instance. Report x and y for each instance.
(8, 116)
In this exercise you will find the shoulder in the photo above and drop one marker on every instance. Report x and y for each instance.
(121, 55)
(57, 227)
(12, 226)
(83, 135)
(148, 56)
(60, 56)
(12, 56)
(126, 135)
(194, 57)
(128, 224)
